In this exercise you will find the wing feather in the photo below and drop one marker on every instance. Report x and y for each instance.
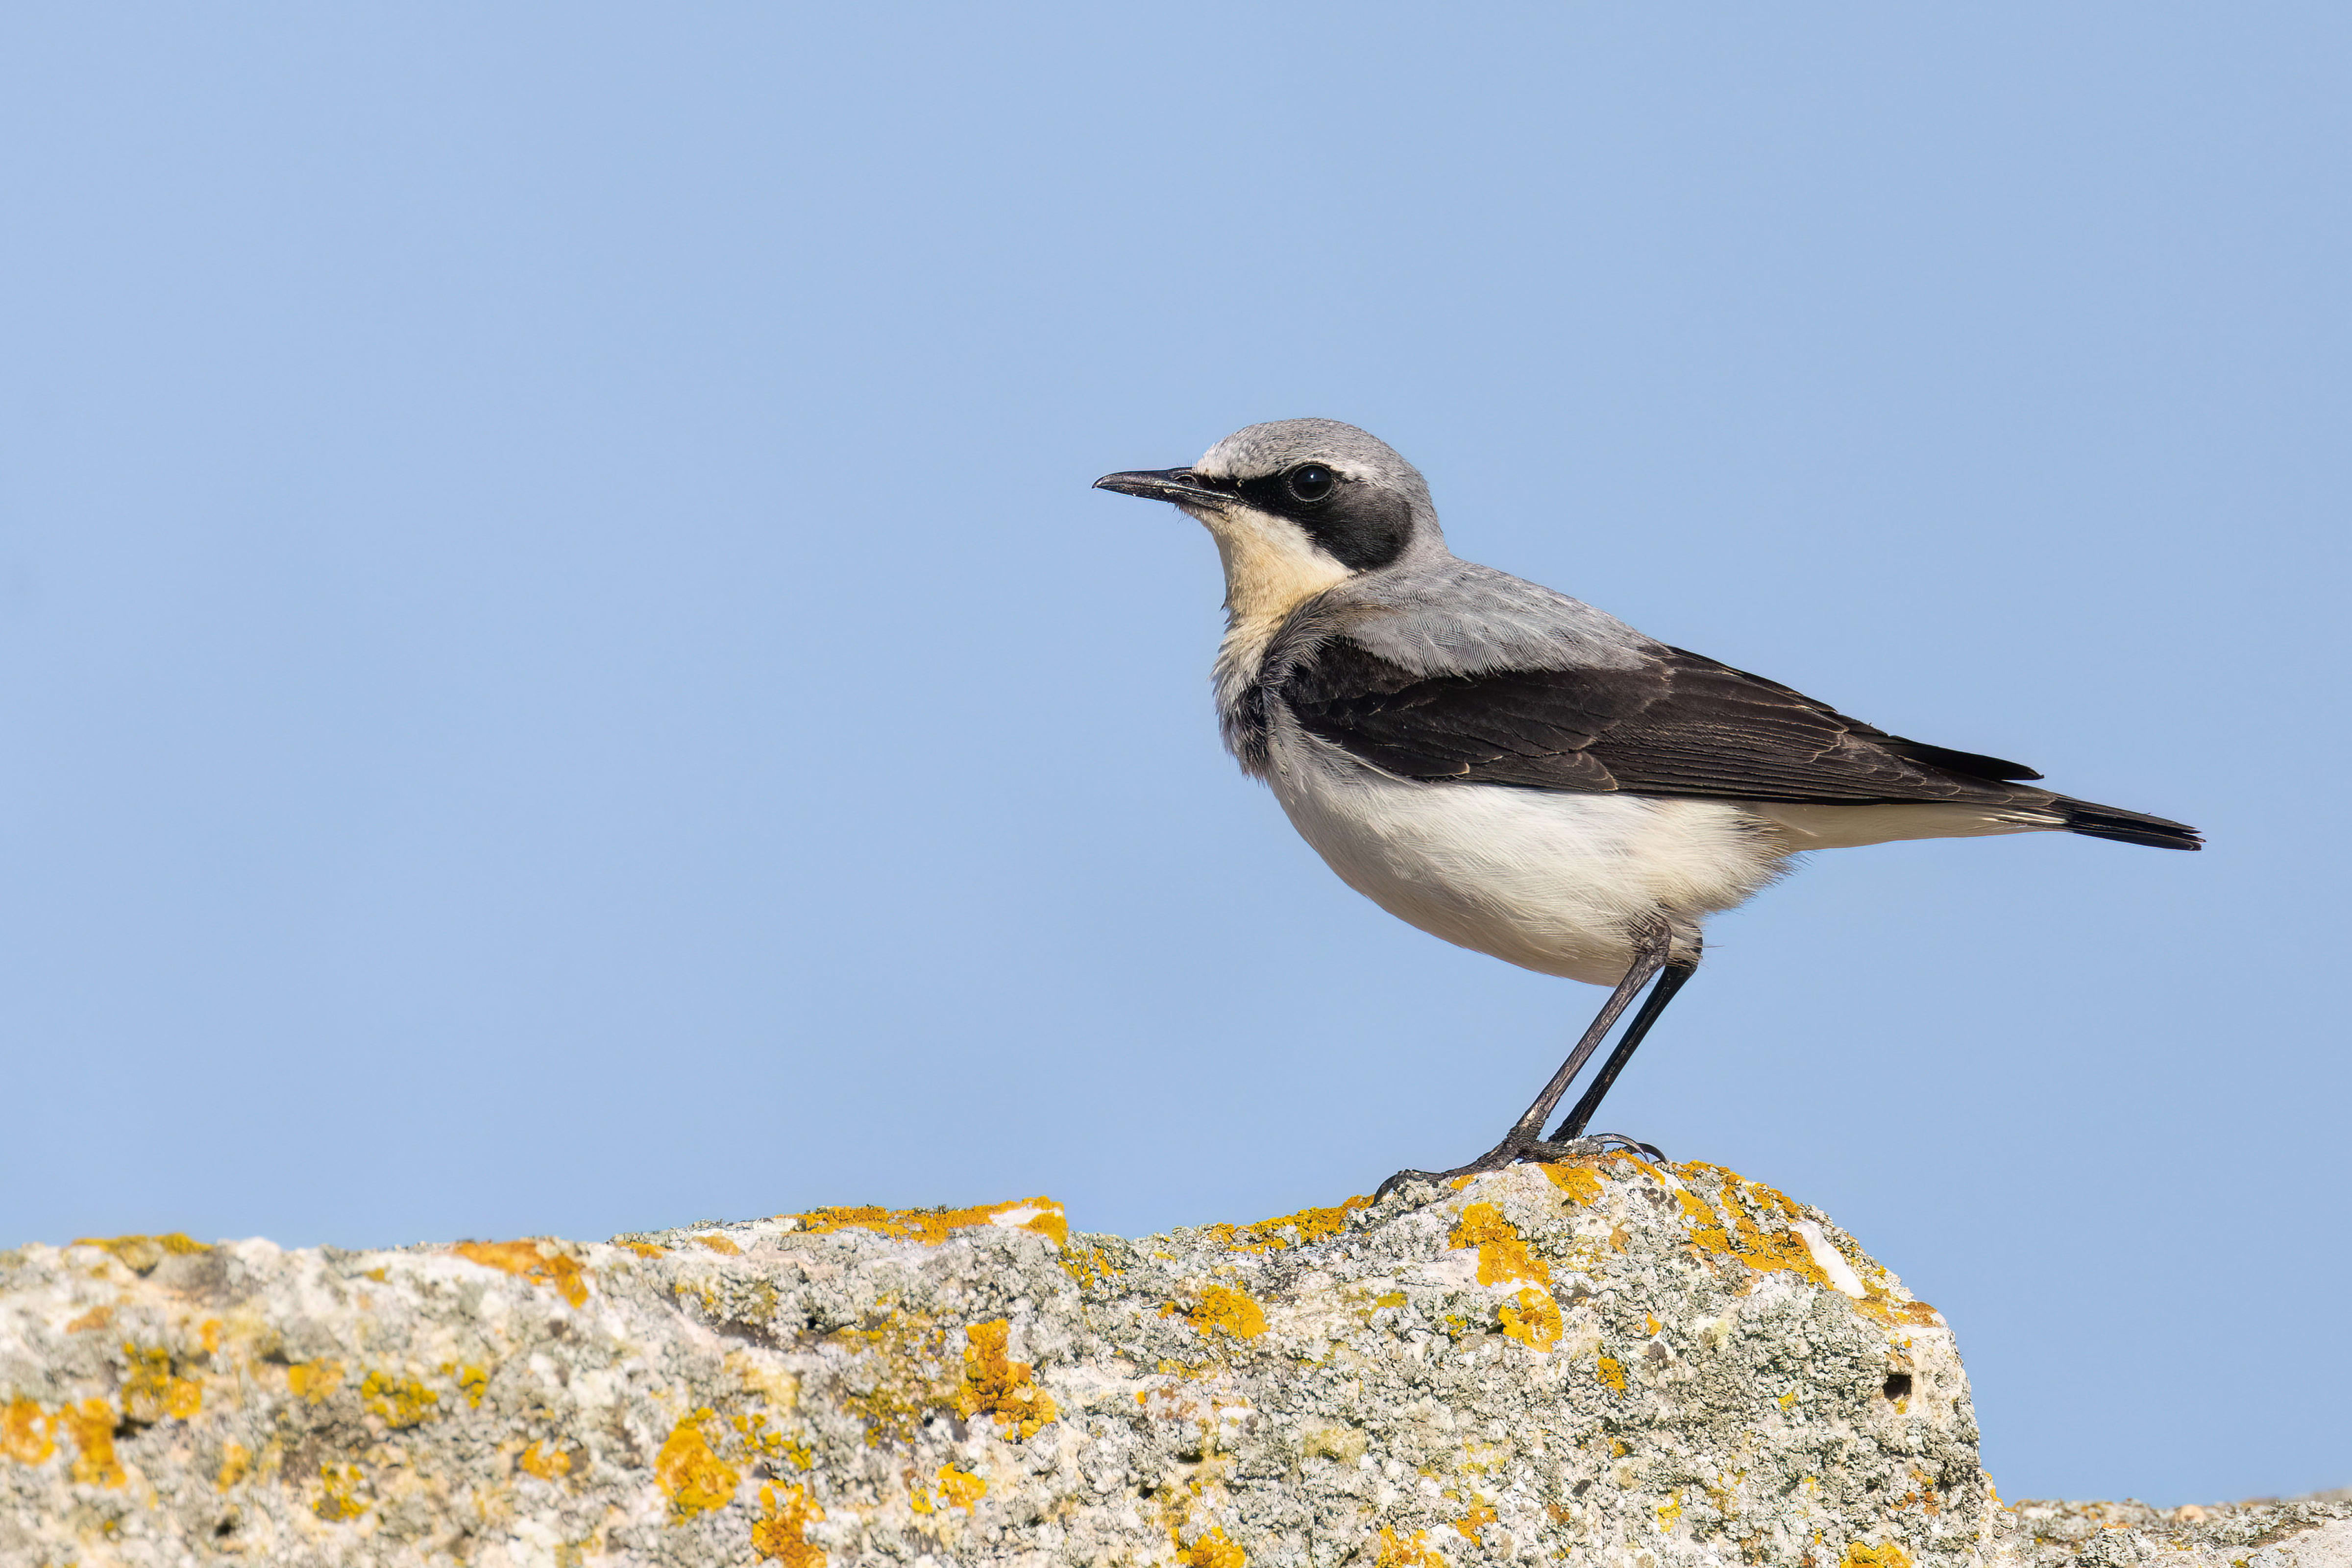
(1677, 724)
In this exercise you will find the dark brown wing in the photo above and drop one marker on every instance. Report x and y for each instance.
(1676, 725)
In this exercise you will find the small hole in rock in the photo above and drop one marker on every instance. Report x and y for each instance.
(1899, 1386)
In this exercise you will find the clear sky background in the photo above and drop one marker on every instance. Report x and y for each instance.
(560, 672)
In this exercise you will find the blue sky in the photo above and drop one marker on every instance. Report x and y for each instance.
(560, 672)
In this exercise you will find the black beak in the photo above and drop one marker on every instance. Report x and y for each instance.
(1181, 486)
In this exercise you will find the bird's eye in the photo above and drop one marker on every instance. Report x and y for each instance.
(1310, 481)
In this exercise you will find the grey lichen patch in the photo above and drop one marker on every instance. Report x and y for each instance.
(1609, 1360)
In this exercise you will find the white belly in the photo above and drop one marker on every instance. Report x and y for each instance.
(1554, 882)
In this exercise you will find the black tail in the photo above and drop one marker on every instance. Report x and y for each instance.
(2127, 827)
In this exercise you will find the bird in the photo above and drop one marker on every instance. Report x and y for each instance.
(1521, 774)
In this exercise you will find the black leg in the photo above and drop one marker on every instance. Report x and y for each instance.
(1670, 981)
(1647, 962)
(1527, 1131)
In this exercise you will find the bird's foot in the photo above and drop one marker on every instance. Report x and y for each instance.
(1597, 1144)
(1494, 1159)
(1510, 1151)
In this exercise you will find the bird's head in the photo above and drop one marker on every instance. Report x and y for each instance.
(1297, 507)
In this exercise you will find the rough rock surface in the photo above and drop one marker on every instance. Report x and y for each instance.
(1609, 1360)
(2261, 1534)
(2300, 1532)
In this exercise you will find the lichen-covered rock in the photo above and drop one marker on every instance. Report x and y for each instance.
(1606, 1361)
(2299, 1532)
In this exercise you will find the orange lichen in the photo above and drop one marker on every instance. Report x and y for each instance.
(1416, 1552)
(471, 1382)
(933, 1226)
(1611, 1372)
(24, 1432)
(210, 1332)
(401, 1402)
(994, 1385)
(1737, 1232)
(548, 1464)
(905, 1371)
(1224, 1309)
(1858, 1555)
(142, 1253)
(780, 1532)
(1471, 1523)
(1535, 1322)
(1503, 1260)
(149, 1392)
(98, 1317)
(1922, 1494)
(760, 1439)
(721, 1244)
(314, 1380)
(1089, 1266)
(1878, 1305)
(954, 1488)
(646, 1248)
(91, 1426)
(236, 1463)
(1580, 1182)
(1288, 1230)
(339, 1493)
(1212, 1550)
(961, 1489)
(1502, 1257)
(1757, 1228)
(530, 1261)
(696, 1479)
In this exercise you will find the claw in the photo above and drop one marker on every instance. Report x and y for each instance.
(1595, 1143)
(1630, 1146)
(1397, 1180)
(1494, 1159)
(1509, 1152)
